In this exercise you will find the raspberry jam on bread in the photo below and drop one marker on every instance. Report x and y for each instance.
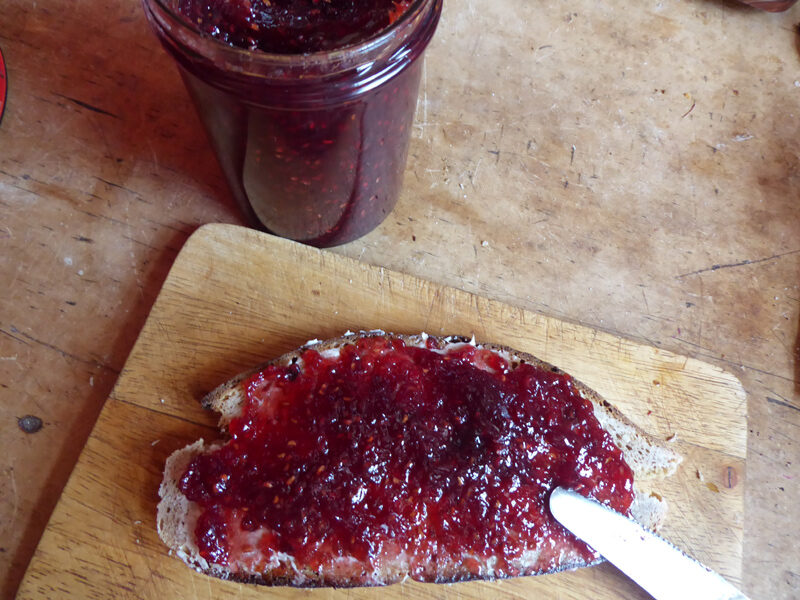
(381, 452)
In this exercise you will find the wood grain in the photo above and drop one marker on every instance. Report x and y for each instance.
(235, 297)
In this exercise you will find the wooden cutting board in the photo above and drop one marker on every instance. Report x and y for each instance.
(235, 297)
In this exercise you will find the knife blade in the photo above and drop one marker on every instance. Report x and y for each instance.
(663, 570)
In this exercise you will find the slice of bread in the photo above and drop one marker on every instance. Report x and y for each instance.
(648, 457)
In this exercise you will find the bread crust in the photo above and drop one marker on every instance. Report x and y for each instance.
(648, 456)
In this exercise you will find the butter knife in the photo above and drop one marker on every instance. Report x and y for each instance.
(664, 571)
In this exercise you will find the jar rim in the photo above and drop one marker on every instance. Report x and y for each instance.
(288, 59)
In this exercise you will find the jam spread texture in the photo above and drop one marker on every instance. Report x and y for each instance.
(292, 26)
(385, 449)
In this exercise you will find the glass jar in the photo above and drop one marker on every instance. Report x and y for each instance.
(313, 146)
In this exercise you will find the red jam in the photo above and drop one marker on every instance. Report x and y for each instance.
(312, 127)
(291, 26)
(388, 448)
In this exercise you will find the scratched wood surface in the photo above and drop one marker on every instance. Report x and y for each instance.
(236, 297)
(632, 166)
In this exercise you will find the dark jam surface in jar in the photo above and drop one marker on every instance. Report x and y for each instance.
(385, 448)
(292, 26)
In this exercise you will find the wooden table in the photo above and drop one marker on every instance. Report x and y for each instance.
(629, 166)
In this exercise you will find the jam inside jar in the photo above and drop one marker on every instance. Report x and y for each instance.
(313, 141)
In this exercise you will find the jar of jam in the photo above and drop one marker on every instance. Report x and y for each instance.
(309, 109)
